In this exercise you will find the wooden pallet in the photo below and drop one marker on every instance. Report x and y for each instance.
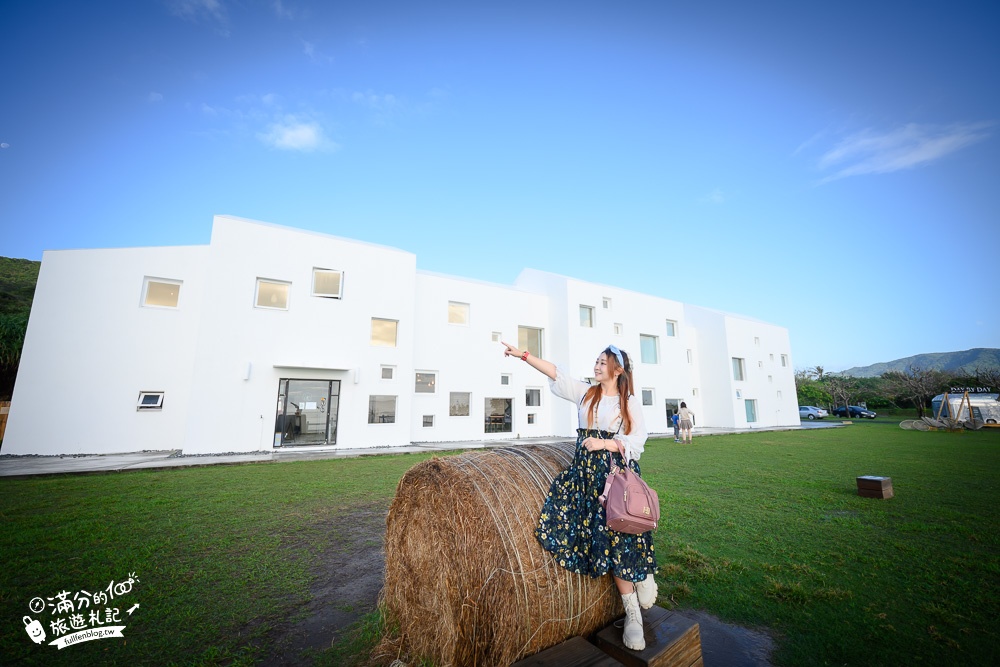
(671, 641)
(574, 652)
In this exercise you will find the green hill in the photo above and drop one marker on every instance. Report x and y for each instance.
(17, 284)
(966, 361)
(17, 289)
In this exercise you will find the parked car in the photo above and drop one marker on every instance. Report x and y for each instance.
(855, 411)
(811, 412)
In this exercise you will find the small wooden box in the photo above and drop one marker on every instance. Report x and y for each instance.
(871, 486)
(671, 641)
(574, 652)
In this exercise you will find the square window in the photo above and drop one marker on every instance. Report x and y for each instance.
(531, 417)
(772, 358)
(756, 341)
(751, 407)
(458, 313)
(381, 409)
(384, 332)
(739, 369)
(618, 329)
(694, 392)
(779, 393)
(739, 394)
(428, 421)
(458, 403)
(505, 378)
(149, 400)
(606, 302)
(671, 328)
(497, 336)
(649, 349)
(533, 397)
(388, 372)
(160, 293)
(647, 396)
(327, 283)
(530, 339)
(784, 360)
(272, 294)
(690, 354)
(770, 378)
(760, 364)
(587, 316)
(424, 383)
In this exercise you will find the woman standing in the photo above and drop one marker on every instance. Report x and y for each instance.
(687, 421)
(573, 524)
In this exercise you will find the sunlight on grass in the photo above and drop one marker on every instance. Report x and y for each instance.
(762, 529)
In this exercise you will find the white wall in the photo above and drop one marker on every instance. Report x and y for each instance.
(316, 338)
(466, 359)
(91, 347)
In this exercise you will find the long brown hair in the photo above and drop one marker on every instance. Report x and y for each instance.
(624, 385)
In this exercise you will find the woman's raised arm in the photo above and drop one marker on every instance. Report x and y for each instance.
(546, 368)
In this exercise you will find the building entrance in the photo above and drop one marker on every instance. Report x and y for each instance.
(307, 412)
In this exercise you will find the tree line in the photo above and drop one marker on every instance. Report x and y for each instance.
(912, 388)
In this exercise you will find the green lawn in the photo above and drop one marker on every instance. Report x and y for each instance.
(763, 529)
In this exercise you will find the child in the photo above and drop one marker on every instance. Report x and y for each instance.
(677, 427)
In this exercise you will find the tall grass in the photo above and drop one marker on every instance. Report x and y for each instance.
(763, 529)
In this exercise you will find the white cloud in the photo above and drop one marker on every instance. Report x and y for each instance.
(716, 196)
(295, 134)
(212, 11)
(375, 101)
(385, 108)
(194, 10)
(909, 146)
(281, 11)
(309, 49)
(153, 98)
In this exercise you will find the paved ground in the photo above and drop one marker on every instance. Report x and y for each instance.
(24, 466)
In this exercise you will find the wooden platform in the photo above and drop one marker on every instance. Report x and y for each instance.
(574, 652)
(871, 486)
(671, 641)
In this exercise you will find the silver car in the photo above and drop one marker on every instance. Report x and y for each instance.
(811, 412)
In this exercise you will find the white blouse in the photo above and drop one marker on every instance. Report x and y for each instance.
(608, 412)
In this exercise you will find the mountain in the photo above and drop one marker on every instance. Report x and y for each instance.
(953, 362)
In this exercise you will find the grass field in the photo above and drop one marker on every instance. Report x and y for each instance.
(762, 529)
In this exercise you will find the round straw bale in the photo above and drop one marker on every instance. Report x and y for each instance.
(466, 581)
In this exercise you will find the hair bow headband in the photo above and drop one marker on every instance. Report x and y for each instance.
(618, 355)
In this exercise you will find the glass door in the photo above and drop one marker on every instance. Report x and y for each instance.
(306, 412)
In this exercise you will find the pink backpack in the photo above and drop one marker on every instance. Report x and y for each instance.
(630, 504)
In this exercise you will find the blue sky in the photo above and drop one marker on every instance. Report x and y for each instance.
(831, 168)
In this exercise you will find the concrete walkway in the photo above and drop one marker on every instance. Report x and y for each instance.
(30, 465)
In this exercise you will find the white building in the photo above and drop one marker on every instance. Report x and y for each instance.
(234, 347)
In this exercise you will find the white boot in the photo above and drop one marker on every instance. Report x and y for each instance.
(633, 638)
(647, 591)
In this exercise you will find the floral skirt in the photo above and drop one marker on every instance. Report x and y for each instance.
(573, 526)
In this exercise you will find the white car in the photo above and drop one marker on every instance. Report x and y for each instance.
(811, 412)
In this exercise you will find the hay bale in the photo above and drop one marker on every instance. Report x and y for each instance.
(465, 579)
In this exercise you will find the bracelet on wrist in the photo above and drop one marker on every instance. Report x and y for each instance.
(524, 357)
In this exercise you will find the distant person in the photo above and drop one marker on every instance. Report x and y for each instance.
(677, 427)
(686, 422)
(573, 524)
